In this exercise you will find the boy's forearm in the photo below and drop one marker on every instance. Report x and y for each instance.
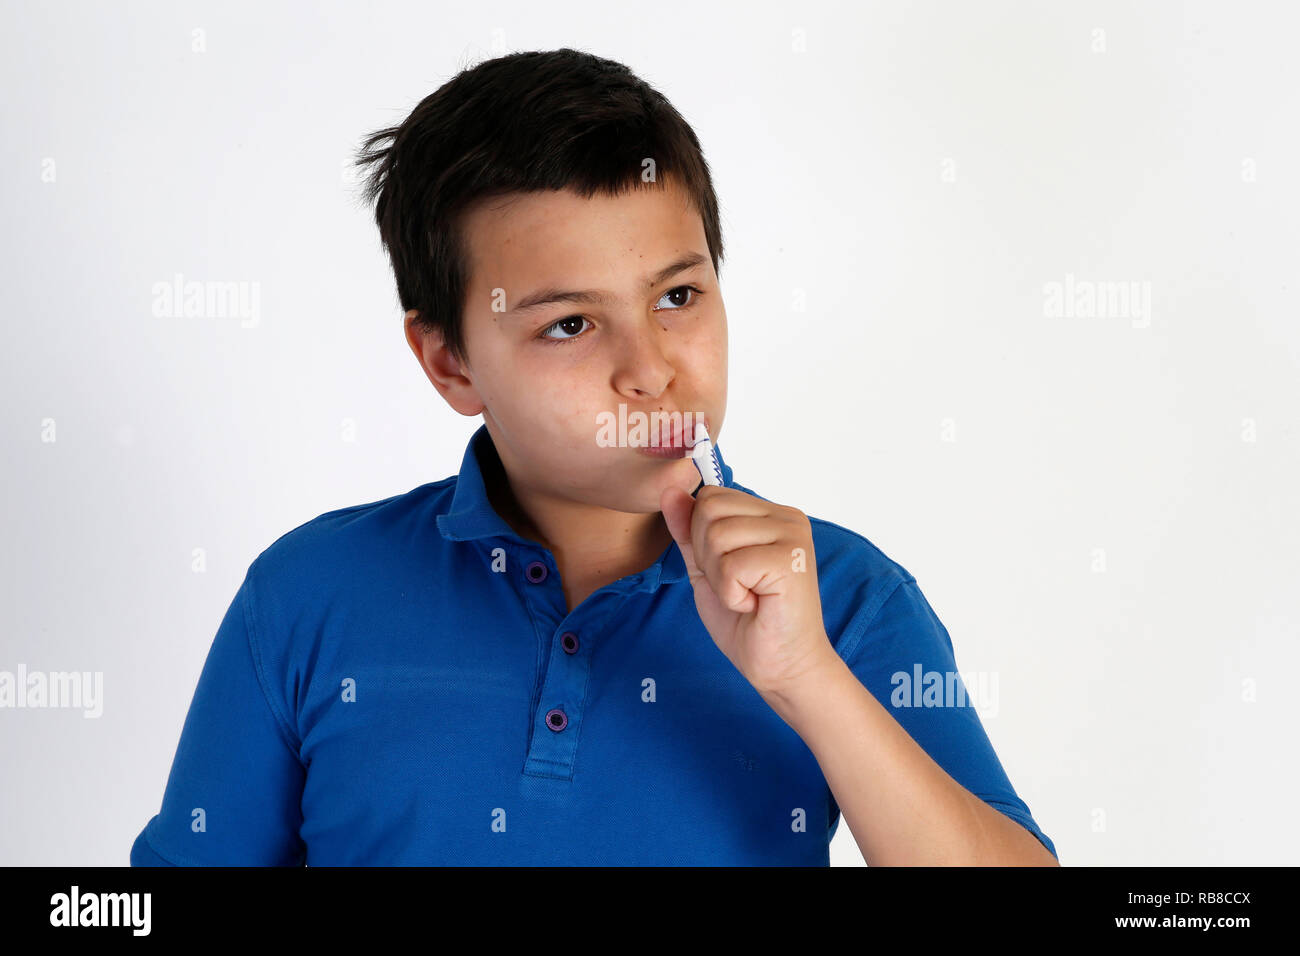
(901, 806)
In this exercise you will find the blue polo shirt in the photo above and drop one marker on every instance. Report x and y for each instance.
(400, 683)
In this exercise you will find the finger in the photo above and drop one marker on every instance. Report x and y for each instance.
(712, 539)
(717, 501)
(744, 575)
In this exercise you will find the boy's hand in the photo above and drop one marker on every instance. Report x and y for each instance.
(752, 566)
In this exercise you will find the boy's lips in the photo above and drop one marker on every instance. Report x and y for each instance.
(672, 441)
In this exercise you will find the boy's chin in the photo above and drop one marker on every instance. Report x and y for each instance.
(684, 476)
(646, 500)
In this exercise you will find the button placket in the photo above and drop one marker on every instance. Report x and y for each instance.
(556, 718)
(560, 706)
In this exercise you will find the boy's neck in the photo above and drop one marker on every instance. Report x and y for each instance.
(592, 546)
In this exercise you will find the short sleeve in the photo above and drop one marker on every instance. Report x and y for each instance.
(903, 654)
(234, 793)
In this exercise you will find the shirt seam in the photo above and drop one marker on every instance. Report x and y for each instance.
(281, 723)
(825, 522)
(165, 856)
(851, 640)
(1019, 816)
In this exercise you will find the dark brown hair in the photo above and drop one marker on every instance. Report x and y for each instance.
(561, 119)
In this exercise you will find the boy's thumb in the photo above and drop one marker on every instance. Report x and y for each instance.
(678, 508)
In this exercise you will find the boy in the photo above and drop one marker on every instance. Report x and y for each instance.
(572, 652)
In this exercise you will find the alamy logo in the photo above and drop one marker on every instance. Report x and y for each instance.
(638, 429)
(195, 299)
(70, 689)
(1089, 299)
(102, 909)
(921, 688)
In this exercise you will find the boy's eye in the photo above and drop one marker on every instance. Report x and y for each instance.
(567, 325)
(684, 288)
(573, 327)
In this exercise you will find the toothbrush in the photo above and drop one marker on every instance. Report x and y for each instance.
(706, 461)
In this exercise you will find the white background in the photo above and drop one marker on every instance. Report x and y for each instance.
(1079, 498)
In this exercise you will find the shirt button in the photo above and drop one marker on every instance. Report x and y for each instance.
(570, 641)
(536, 572)
(556, 720)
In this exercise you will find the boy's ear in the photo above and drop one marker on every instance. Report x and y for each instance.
(443, 369)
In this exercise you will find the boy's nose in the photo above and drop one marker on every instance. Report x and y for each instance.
(643, 365)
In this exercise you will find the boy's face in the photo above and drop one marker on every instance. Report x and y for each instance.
(542, 375)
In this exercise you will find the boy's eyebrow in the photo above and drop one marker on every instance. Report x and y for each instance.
(547, 296)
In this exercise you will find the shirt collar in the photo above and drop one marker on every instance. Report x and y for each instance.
(471, 515)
